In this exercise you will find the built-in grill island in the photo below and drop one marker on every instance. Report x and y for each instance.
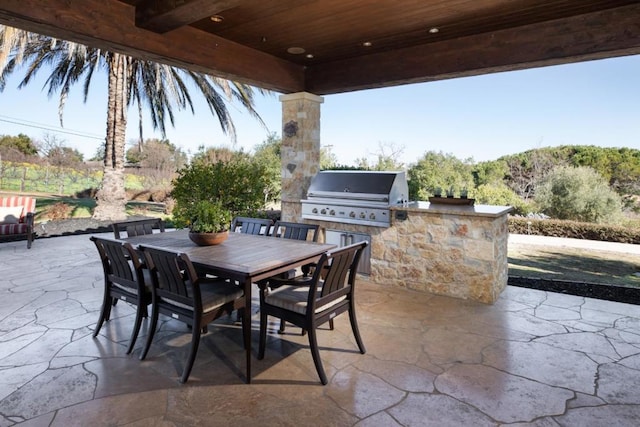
(447, 249)
(355, 197)
(351, 203)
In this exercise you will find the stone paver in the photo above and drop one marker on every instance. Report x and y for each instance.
(531, 359)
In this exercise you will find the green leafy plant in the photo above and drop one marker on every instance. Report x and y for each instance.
(239, 185)
(579, 194)
(209, 217)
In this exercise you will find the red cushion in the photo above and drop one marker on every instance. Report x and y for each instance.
(29, 204)
(6, 229)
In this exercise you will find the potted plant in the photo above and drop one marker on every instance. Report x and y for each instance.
(209, 223)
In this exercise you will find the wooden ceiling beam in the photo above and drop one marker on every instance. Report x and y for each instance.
(609, 33)
(83, 21)
(162, 16)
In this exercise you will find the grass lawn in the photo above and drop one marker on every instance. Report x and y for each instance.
(83, 207)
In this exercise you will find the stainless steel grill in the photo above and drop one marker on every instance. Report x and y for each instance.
(355, 197)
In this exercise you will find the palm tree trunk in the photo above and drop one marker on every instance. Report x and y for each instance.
(111, 197)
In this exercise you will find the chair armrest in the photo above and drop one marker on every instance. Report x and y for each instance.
(29, 219)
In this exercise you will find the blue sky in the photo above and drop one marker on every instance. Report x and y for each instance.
(483, 117)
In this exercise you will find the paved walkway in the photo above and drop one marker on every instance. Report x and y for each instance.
(533, 358)
(525, 239)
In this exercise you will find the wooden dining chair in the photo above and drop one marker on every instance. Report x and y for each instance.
(138, 227)
(255, 226)
(329, 293)
(179, 293)
(124, 279)
(295, 231)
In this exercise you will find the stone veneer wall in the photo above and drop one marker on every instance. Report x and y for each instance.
(462, 256)
(300, 151)
(446, 254)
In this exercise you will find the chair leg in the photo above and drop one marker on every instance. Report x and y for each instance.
(195, 342)
(105, 313)
(313, 344)
(140, 313)
(331, 324)
(152, 331)
(356, 331)
(282, 326)
(263, 334)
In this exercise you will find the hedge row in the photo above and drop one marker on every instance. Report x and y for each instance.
(573, 229)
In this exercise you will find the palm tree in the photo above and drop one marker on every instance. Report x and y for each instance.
(130, 81)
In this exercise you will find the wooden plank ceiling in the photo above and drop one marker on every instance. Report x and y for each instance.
(332, 46)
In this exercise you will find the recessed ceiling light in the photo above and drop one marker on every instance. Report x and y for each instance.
(434, 30)
(367, 44)
(296, 50)
(309, 55)
(217, 18)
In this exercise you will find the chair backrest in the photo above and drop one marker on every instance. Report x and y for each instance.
(336, 273)
(137, 227)
(174, 277)
(27, 203)
(255, 226)
(295, 231)
(120, 263)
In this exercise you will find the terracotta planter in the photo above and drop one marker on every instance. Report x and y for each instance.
(208, 239)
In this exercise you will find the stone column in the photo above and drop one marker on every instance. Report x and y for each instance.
(300, 149)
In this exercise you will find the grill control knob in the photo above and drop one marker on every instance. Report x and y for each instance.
(332, 212)
(372, 216)
(314, 210)
(362, 215)
(323, 211)
(352, 214)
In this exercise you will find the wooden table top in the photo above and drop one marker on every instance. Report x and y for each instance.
(241, 255)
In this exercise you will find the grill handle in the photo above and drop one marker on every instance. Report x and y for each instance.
(351, 196)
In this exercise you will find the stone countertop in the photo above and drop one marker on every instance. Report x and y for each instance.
(462, 210)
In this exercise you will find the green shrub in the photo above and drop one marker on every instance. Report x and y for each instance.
(237, 184)
(578, 194)
(574, 229)
(501, 195)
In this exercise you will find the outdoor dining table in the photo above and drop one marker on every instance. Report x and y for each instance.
(242, 257)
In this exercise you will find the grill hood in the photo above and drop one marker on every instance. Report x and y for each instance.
(387, 187)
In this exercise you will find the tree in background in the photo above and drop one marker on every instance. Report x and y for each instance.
(438, 170)
(619, 166)
(526, 170)
(267, 155)
(99, 155)
(501, 195)
(17, 148)
(56, 153)
(491, 173)
(157, 161)
(387, 158)
(216, 154)
(130, 81)
(328, 159)
(580, 194)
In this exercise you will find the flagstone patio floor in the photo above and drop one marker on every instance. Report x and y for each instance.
(534, 358)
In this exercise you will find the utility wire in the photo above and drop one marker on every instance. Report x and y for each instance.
(36, 125)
